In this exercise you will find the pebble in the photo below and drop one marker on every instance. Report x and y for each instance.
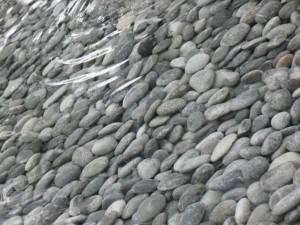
(150, 208)
(292, 142)
(172, 181)
(203, 80)
(235, 35)
(104, 146)
(95, 167)
(223, 147)
(196, 63)
(148, 168)
(170, 106)
(193, 214)
(278, 177)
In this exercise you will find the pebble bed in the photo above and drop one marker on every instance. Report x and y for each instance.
(180, 112)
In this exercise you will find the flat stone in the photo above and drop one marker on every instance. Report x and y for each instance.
(235, 35)
(244, 100)
(193, 214)
(278, 177)
(95, 167)
(171, 106)
(226, 181)
(67, 173)
(172, 181)
(242, 211)
(293, 142)
(104, 146)
(223, 147)
(203, 80)
(196, 63)
(271, 143)
(148, 168)
(150, 208)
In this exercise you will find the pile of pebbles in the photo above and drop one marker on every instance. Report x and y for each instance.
(189, 114)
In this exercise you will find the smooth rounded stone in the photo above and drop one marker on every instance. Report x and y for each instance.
(55, 96)
(67, 103)
(95, 167)
(193, 163)
(110, 128)
(124, 143)
(242, 211)
(280, 193)
(191, 195)
(135, 94)
(160, 219)
(222, 211)
(294, 111)
(133, 205)
(285, 61)
(267, 12)
(15, 220)
(196, 63)
(287, 203)
(148, 168)
(144, 186)
(281, 120)
(172, 181)
(259, 137)
(178, 63)
(93, 186)
(283, 158)
(226, 181)
(202, 174)
(12, 86)
(74, 137)
(203, 35)
(196, 121)
(280, 100)
(244, 100)
(261, 213)
(282, 30)
(208, 144)
(271, 143)
(192, 107)
(188, 32)
(278, 176)
(168, 162)
(223, 147)
(294, 43)
(225, 77)
(219, 96)
(171, 106)
(217, 111)
(256, 194)
(177, 193)
(67, 173)
(82, 157)
(89, 119)
(193, 214)
(250, 152)
(293, 215)
(168, 76)
(296, 179)
(117, 206)
(235, 194)
(293, 142)
(235, 35)
(259, 123)
(150, 208)
(104, 146)
(189, 153)
(203, 80)
(287, 9)
(145, 46)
